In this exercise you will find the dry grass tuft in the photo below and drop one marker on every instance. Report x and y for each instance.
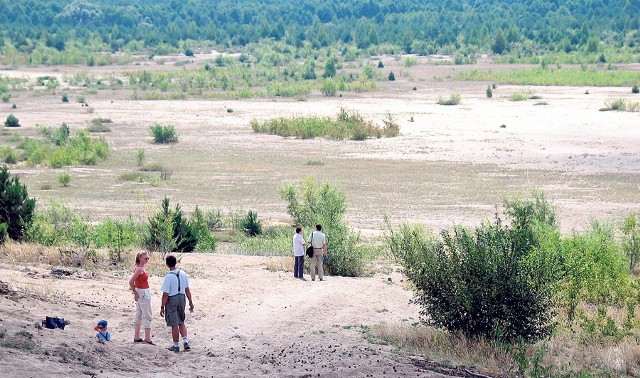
(563, 354)
(279, 264)
(441, 347)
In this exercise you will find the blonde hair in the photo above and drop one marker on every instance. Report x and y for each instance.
(139, 255)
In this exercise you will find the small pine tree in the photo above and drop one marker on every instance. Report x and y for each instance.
(12, 121)
(18, 207)
(251, 225)
(392, 77)
(635, 89)
(65, 98)
(380, 64)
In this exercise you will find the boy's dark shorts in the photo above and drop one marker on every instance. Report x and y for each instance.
(174, 312)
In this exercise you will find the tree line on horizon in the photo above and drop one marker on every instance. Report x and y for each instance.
(420, 27)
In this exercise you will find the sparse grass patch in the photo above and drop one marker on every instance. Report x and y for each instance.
(279, 264)
(101, 120)
(152, 167)
(98, 125)
(622, 105)
(138, 177)
(517, 96)
(546, 358)
(550, 77)
(314, 162)
(99, 128)
(25, 334)
(454, 99)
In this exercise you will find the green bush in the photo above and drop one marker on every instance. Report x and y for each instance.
(17, 207)
(251, 225)
(631, 239)
(65, 98)
(140, 157)
(64, 179)
(328, 87)
(8, 155)
(116, 234)
(593, 269)
(79, 149)
(163, 134)
(58, 226)
(309, 205)
(484, 282)
(489, 92)
(635, 89)
(391, 76)
(6, 97)
(206, 241)
(12, 121)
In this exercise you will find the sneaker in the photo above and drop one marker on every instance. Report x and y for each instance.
(186, 346)
(174, 348)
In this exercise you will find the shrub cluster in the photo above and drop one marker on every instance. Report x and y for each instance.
(59, 226)
(347, 125)
(482, 283)
(506, 282)
(163, 134)
(61, 149)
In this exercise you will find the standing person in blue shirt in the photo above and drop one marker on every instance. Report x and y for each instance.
(319, 242)
(298, 253)
(175, 288)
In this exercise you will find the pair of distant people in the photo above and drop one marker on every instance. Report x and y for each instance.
(318, 241)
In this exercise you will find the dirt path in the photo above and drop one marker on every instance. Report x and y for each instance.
(249, 321)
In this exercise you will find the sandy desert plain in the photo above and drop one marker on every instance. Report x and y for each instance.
(450, 165)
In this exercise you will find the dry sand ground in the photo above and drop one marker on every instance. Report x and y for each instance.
(248, 321)
(450, 165)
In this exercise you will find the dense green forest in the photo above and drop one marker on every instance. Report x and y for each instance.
(42, 29)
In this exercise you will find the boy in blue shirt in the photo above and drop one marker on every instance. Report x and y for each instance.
(102, 335)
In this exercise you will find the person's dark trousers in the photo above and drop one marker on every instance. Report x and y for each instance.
(298, 267)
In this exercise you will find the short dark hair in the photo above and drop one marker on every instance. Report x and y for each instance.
(298, 229)
(319, 227)
(171, 261)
